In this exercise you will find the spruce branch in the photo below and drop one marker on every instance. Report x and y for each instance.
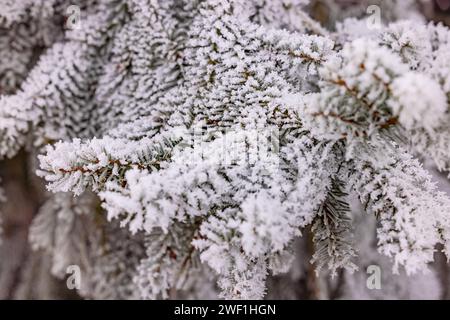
(332, 231)
(100, 161)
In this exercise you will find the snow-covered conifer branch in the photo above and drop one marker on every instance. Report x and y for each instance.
(215, 133)
(367, 89)
(99, 161)
(399, 194)
(57, 99)
(425, 50)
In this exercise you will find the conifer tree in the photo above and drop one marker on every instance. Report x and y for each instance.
(193, 141)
